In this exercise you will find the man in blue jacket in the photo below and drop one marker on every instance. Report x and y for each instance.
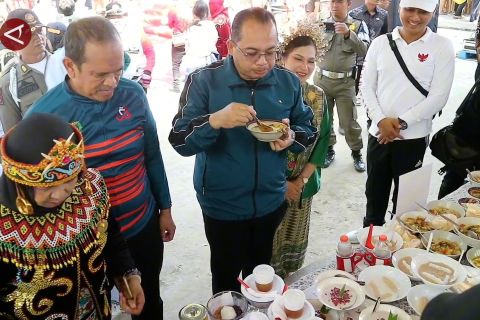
(240, 181)
(120, 141)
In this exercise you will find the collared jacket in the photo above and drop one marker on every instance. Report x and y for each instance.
(20, 87)
(121, 142)
(341, 53)
(236, 176)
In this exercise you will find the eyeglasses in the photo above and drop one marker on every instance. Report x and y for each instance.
(255, 55)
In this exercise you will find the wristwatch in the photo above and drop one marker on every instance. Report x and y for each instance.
(403, 124)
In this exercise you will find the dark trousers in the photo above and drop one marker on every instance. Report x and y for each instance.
(177, 56)
(357, 78)
(451, 182)
(239, 246)
(459, 8)
(146, 248)
(386, 162)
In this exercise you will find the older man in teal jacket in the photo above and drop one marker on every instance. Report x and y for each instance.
(240, 181)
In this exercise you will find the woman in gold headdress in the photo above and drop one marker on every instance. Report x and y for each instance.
(57, 242)
(300, 51)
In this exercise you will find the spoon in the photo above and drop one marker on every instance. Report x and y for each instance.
(377, 303)
(368, 242)
(418, 204)
(469, 173)
(262, 126)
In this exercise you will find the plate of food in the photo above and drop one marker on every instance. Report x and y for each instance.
(474, 192)
(419, 296)
(384, 312)
(340, 293)
(473, 257)
(394, 240)
(445, 243)
(445, 207)
(415, 221)
(278, 129)
(465, 201)
(473, 210)
(469, 230)
(438, 270)
(474, 177)
(386, 282)
(403, 258)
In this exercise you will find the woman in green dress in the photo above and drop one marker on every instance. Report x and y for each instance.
(300, 51)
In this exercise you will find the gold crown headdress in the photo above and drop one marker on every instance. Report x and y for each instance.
(63, 163)
(309, 28)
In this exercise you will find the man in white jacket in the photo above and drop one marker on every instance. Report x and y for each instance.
(401, 115)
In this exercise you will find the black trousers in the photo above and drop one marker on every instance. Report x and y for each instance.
(451, 182)
(459, 8)
(386, 162)
(239, 246)
(146, 248)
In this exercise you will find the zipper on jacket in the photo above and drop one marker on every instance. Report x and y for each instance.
(255, 151)
(204, 179)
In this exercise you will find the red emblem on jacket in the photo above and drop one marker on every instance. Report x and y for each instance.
(123, 113)
(422, 57)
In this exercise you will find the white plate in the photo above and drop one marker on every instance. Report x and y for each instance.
(421, 259)
(412, 214)
(453, 207)
(403, 253)
(308, 310)
(377, 231)
(468, 240)
(416, 294)
(276, 288)
(444, 235)
(374, 276)
(383, 309)
(473, 253)
(324, 287)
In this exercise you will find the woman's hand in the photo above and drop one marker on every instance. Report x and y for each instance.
(294, 190)
(132, 298)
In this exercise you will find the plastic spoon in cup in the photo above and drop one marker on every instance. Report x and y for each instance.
(429, 242)
(255, 293)
(470, 176)
(369, 243)
(461, 256)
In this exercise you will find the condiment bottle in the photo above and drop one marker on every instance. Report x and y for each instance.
(344, 247)
(381, 249)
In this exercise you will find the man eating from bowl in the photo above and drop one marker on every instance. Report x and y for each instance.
(240, 181)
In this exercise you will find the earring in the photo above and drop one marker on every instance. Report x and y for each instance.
(23, 205)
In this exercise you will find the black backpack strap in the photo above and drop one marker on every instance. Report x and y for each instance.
(410, 77)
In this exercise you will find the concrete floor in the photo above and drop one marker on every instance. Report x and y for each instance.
(338, 208)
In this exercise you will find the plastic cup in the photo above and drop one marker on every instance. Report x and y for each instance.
(263, 275)
(294, 301)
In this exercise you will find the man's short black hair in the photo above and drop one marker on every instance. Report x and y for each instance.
(257, 14)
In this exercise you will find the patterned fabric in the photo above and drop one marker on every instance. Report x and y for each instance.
(49, 261)
(291, 239)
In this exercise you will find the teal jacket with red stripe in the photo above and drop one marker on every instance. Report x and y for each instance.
(121, 142)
